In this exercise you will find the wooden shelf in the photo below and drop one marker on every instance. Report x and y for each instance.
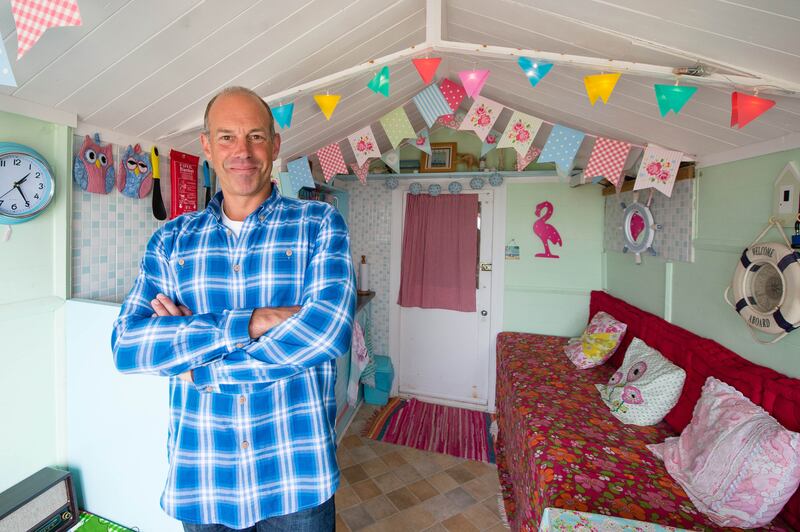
(684, 172)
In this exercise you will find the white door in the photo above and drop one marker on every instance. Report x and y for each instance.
(444, 354)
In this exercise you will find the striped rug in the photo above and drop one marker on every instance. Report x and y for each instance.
(436, 428)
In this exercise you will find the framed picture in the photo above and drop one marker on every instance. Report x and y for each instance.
(441, 159)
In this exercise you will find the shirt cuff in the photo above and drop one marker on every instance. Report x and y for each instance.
(203, 379)
(237, 329)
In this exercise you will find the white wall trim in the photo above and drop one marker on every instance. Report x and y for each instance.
(121, 139)
(498, 285)
(12, 104)
(787, 142)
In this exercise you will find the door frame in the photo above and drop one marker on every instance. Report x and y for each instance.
(498, 266)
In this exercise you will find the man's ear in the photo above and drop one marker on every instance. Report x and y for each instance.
(276, 146)
(206, 143)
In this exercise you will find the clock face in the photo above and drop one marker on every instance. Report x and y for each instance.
(26, 185)
(764, 287)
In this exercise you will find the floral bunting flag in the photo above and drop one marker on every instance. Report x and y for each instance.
(331, 161)
(561, 147)
(453, 121)
(6, 75)
(607, 160)
(299, 176)
(431, 104)
(658, 170)
(34, 17)
(423, 142)
(524, 160)
(361, 171)
(453, 93)
(364, 145)
(490, 142)
(481, 116)
(397, 126)
(519, 133)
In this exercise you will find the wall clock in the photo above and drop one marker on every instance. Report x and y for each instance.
(26, 183)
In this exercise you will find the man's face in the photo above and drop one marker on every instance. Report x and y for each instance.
(239, 147)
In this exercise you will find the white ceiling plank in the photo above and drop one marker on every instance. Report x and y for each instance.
(783, 8)
(787, 142)
(198, 61)
(101, 48)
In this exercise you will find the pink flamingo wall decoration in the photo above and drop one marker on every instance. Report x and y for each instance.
(546, 232)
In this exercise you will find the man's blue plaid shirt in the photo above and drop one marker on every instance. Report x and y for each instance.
(254, 436)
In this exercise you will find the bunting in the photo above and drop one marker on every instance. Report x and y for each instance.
(331, 161)
(6, 75)
(364, 145)
(658, 170)
(519, 133)
(431, 104)
(607, 160)
(423, 142)
(299, 175)
(672, 97)
(453, 121)
(427, 68)
(746, 108)
(397, 126)
(561, 147)
(490, 142)
(481, 116)
(34, 17)
(524, 160)
(534, 70)
(361, 171)
(600, 86)
(473, 81)
(392, 160)
(283, 115)
(453, 93)
(380, 83)
(327, 103)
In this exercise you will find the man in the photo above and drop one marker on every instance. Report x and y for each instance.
(245, 306)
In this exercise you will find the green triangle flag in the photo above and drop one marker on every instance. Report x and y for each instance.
(380, 83)
(672, 97)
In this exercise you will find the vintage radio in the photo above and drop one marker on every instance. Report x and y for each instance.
(43, 502)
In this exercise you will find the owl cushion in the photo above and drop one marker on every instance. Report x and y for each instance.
(597, 343)
(737, 464)
(645, 388)
(93, 169)
(135, 176)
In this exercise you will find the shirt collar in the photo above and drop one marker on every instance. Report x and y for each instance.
(215, 205)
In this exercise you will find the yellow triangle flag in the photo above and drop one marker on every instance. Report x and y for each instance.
(600, 86)
(327, 103)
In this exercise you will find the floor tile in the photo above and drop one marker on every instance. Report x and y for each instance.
(459, 523)
(379, 507)
(393, 459)
(375, 467)
(346, 497)
(460, 498)
(366, 489)
(480, 516)
(403, 498)
(362, 454)
(357, 517)
(388, 482)
(407, 473)
(354, 474)
(423, 490)
(442, 482)
(460, 474)
(341, 526)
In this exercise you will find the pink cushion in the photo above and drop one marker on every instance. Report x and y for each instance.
(737, 464)
(597, 343)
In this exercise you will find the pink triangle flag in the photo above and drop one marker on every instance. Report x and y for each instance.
(34, 17)
(473, 81)
(361, 171)
(607, 160)
(524, 160)
(452, 92)
(331, 161)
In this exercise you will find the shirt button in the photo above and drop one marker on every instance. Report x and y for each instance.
(229, 232)
(236, 267)
(245, 445)
(288, 252)
(180, 262)
(261, 218)
(239, 345)
(209, 388)
(242, 399)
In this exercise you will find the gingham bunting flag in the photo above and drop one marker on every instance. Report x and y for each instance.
(361, 171)
(607, 160)
(431, 104)
(523, 161)
(658, 170)
(364, 145)
(331, 161)
(452, 92)
(34, 17)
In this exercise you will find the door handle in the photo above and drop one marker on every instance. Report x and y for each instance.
(484, 313)
(486, 266)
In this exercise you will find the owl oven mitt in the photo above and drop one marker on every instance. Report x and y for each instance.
(93, 170)
(135, 174)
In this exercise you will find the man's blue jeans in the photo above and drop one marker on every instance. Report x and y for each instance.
(321, 518)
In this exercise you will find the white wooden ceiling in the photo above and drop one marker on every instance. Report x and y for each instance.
(146, 68)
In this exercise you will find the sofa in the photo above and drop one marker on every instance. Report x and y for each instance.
(559, 446)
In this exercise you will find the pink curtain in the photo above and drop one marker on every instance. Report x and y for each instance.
(440, 252)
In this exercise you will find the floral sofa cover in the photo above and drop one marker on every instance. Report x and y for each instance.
(559, 446)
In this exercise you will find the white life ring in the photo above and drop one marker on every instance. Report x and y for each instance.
(766, 288)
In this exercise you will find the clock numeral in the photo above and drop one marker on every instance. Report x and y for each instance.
(13, 206)
(17, 162)
(1, 202)
(30, 166)
(2, 163)
(36, 196)
(38, 175)
(27, 203)
(41, 186)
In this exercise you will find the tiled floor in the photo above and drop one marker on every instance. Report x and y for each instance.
(387, 487)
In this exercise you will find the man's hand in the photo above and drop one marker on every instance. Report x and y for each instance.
(265, 318)
(164, 306)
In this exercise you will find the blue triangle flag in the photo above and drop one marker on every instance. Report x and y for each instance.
(534, 70)
(283, 115)
(6, 75)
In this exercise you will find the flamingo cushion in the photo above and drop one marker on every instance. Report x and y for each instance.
(645, 388)
(597, 343)
(738, 465)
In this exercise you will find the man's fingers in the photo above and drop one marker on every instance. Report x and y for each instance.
(159, 308)
(168, 305)
(184, 310)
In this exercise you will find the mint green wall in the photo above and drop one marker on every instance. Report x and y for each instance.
(33, 287)
(734, 203)
(551, 296)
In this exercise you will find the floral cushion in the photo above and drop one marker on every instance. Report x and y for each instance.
(597, 343)
(735, 461)
(644, 389)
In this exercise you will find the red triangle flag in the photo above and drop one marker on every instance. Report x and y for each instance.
(427, 67)
(746, 108)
